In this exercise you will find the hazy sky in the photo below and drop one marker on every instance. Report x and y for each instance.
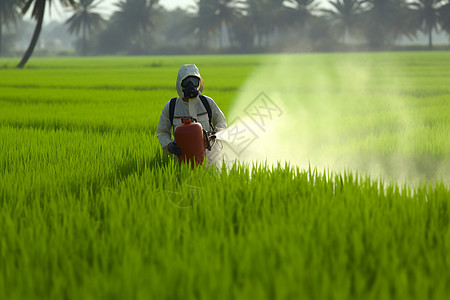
(107, 7)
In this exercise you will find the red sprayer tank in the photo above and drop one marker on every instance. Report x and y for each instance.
(189, 137)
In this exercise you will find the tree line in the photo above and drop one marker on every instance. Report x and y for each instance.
(236, 26)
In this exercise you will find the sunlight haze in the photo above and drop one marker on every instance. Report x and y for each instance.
(106, 7)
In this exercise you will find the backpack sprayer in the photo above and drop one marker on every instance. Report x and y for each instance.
(193, 141)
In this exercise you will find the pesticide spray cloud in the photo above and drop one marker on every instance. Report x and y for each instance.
(343, 112)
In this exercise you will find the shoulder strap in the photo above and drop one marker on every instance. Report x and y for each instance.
(172, 109)
(208, 110)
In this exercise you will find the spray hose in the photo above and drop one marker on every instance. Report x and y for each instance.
(210, 139)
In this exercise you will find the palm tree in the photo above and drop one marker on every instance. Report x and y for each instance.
(204, 23)
(444, 16)
(177, 28)
(428, 17)
(265, 17)
(38, 14)
(243, 34)
(226, 12)
(214, 15)
(302, 11)
(384, 20)
(84, 19)
(8, 13)
(136, 18)
(344, 15)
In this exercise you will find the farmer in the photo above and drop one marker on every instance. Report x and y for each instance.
(189, 103)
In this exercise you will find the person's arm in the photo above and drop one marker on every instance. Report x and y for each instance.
(218, 118)
(164, 129)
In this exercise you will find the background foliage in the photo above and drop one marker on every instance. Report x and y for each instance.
(247, 26)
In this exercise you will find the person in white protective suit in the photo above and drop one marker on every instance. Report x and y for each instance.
(190, 103)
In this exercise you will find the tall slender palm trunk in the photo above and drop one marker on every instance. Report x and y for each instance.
(36, 33)
(430, 39)
(229, 35)
(220, 36)
(84, 39)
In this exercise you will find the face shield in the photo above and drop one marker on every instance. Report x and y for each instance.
(190, 86)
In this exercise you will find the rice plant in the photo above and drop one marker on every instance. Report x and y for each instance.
(90, 208)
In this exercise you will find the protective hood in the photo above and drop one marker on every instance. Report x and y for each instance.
(185, 71)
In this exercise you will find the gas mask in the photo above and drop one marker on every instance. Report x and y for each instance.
(190, 86)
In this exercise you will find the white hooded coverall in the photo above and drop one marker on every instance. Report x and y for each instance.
(192, 108)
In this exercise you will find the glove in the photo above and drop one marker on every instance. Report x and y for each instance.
(174, 149)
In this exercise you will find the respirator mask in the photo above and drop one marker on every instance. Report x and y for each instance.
(190, 86)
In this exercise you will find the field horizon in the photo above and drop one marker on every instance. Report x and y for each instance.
(335, 183)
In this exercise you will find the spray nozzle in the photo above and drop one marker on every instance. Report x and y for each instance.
(209, 139)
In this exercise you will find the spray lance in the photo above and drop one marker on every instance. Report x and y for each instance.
(193, 141)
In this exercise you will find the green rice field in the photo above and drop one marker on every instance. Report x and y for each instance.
(343, 194)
